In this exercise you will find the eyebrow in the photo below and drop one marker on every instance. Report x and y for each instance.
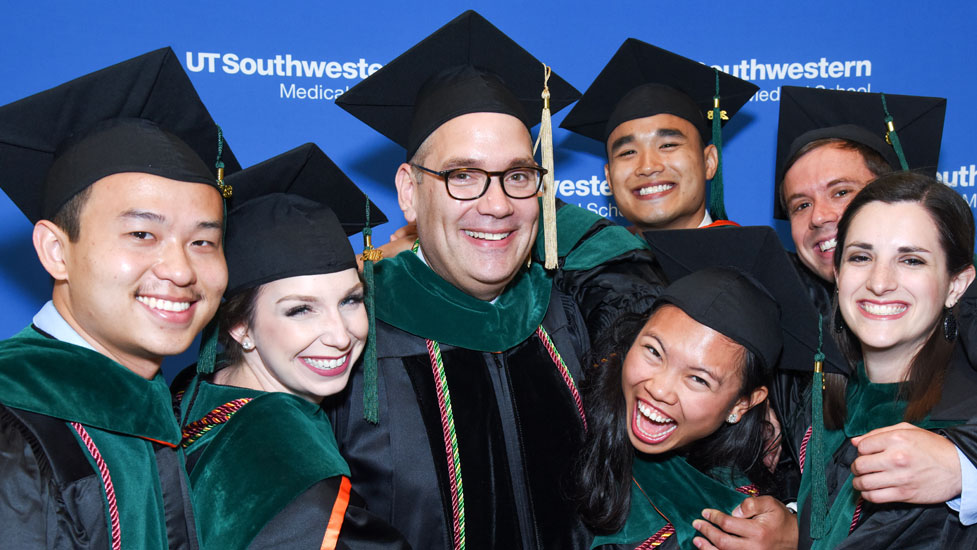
(661, 132)
(829, 185)
(706, 371)
(297, 298)
(155, 217)
(901, 249)
(143, 215)
(459, 162)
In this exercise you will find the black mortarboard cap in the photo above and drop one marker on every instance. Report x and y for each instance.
(732, 303)
(141, 115)
(642, 80)
(292, 216)
(466, 66)
(757, 251)
(809, 114)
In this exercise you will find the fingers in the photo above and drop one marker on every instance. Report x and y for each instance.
(879, 431)
(703, 544)
(889, 494)
(739, 527)
(714, 535)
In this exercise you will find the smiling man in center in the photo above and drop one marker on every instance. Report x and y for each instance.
(463, 436)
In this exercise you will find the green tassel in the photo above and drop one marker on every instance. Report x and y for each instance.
(815, 447)
(371, 406)
(893, 137)
(207, 357)
(717, 202)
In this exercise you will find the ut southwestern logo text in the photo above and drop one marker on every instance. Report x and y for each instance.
(288, 67)
(280, 65)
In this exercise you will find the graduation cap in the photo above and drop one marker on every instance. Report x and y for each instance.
(466, 66)
(292, 216)
(757, 251)
(642, 80)
(902, 128)
(141, 115)
(731, 302)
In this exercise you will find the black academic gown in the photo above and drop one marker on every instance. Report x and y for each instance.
(517, 422)
(605, 269)
(908, 525)
(51, 491)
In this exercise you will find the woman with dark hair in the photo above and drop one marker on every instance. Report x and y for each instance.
(904, 259)
(676, 408)
(264, 468)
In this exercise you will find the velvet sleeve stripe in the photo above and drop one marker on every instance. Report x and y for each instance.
(331, 538)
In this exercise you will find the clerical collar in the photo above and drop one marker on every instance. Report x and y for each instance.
(49, 320)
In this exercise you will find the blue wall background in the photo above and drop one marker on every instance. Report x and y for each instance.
(910, 48)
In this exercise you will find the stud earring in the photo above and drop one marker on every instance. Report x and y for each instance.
(732, 418)
(247, 344)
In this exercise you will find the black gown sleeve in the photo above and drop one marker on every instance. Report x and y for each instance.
(45, 504)
(626, 283)
(293, 526)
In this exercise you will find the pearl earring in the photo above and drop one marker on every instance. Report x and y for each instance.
(732, 418)
(247, 344)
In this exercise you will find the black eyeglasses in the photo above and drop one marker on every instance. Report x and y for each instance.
(466, 184)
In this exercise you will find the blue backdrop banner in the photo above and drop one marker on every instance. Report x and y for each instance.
(270, 71)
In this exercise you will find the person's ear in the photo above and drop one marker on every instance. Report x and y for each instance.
(711, 159)
(406, 187)
(959, 284)
(747, 402)
(53, 247)
(239, 332)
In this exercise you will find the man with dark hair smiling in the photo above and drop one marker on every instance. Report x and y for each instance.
(128, 222)
(653, 110)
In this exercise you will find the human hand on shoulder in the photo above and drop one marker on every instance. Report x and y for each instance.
(401, 240)
(904, 463)
(757, 523)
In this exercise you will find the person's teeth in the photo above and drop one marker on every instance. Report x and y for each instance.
(165, 305)
(879, 309)
(655, 189)
(828, 244)
(325, 364)
(652, 415)
(487, 236)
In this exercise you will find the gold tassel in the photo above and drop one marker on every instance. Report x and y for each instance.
(549, 189)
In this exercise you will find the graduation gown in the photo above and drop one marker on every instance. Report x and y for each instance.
(667, 495)
(605, 269)
(854, 523)
(515, 412)
(267, 474)
(61, 405)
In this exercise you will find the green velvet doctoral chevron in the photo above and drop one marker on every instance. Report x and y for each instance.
(270, 451)
(676, 488)
(121, 411)
(572, 223)
(870, 406)
(54, 378)
(411, 297)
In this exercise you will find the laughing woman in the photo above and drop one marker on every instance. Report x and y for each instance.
(905, 247)
(676, 412)
(264, 468)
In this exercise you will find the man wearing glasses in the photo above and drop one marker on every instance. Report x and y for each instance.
(463, 433)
